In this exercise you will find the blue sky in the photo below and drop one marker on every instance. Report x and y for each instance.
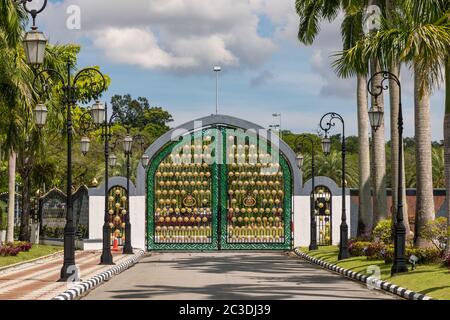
(165, 50)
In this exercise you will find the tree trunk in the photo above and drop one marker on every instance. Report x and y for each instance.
(379, 157)
(11, 195)
(394, 94)
(424, 171)
(24, 234)
(365, 208)
(447, 145)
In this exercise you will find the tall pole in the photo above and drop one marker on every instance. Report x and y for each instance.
(399, 265)
(106, 257)
(343, 242)
(313, 223)
(69, 267)
(343, 248)
(217, 69)
(69, 270)
(127, 248)
(217, 92)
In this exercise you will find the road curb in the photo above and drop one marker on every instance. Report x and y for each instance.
(84, 287)
(369, 280)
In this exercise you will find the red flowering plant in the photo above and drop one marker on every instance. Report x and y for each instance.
(13, 249)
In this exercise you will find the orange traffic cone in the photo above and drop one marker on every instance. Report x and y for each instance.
(116, 245)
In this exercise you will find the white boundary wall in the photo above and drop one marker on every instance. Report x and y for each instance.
(138, 228)
(301, 207)
(96, 216)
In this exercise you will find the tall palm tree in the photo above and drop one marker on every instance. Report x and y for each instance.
(330, 166)
(12, 91)
(416, 38)
(312, 13)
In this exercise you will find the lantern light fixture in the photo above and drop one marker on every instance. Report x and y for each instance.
(40, 115)
(300, 160)
(98, 112)
(85, 145)
(145, 161)
(375, 117)
(112, 160)
(326, 145)
(127, 143)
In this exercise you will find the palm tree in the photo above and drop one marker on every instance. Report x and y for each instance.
(311, 13)
(330, 166)
(414, 36)
(12, 91)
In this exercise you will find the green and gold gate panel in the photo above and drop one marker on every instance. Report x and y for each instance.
(182, 195)
(117, 209)
(255, 195)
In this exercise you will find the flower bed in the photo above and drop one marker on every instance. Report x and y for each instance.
(381, 251)
(13, 249)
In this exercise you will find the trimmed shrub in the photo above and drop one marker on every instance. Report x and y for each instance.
(436, 232)
(358, 248)
(376, 251)
(383, 232)
(446, 260)
(425, 255)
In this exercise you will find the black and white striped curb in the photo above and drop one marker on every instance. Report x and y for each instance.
(369, 280)
(82, 288)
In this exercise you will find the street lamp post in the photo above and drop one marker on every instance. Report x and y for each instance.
(300, 160)
(326, 126)
(34, 46)
(217, 69)
(100, 117)
(375, 117)
(128, 148)
(70, 99)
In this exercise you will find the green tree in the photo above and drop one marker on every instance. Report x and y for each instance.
(417, 35)
(312, 13)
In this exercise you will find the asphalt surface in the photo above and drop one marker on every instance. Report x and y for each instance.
(229, 276)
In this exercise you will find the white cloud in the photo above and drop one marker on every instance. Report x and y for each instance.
(186, 35)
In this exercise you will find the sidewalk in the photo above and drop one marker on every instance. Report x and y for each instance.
(38, 280)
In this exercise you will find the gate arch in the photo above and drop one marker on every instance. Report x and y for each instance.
(233, 216)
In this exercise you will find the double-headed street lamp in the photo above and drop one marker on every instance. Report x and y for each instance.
(34, 45)
(70, 98)
(145, 160)
(375, 117)
(300, 159)
(99, 115)
(326, 126)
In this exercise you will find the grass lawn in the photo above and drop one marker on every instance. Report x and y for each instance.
(432, 280)
(35, 252)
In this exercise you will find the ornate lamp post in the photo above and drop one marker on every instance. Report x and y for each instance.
(100, 117)
(70, 99)
(375, 117)
(145, 160)
(34, 45)
(300, 159)
(326, 126)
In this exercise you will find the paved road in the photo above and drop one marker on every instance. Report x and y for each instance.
(230, 275)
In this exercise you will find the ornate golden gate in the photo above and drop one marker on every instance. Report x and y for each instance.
(219, 189)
